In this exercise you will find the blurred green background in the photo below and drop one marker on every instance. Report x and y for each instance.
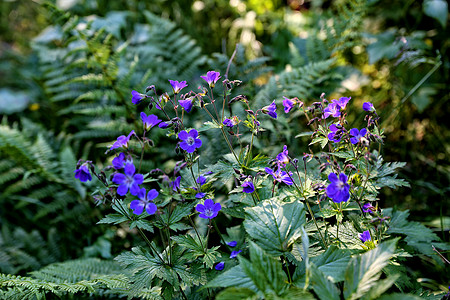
(67, 69)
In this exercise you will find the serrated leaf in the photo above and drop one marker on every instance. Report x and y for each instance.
(211, 256)
(321, 139)
(333, 262)
(113, 219)
(266, 273)
(143, 224)
(345, 154)
(274, 225)
(234, 277)
(208, 125)
(348, 235)
(380, 287)
(190, 242)
(417, 235)
(364, 271)
(323, 287)
(235, 211)
(169, 218)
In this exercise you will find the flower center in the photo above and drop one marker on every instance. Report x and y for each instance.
(209, 212)
(129, 180)
(190, 141)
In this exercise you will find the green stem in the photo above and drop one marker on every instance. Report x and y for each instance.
(300, 193)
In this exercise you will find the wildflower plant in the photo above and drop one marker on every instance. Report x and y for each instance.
(312, 219)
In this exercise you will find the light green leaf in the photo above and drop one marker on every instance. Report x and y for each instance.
(380, 287)
(437, 9)
(113, 219)
(275, 225)
(364, 271)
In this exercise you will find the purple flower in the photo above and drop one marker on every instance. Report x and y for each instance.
(120, 161)
(211, 78)
(234, 254)
(231, 122)
(248, 187)
(369, 208)
(357, 135)
(338, 189)
(220, 266)
(83, 173)
(164, 125)
(332, 136)
(150, 120)
(232, 244)
(137, 97)
(228, 123)
(367, 106)
(283, 157)
(333, 109)
(280, 176)
(208, 209)
(189, 141)
(365, 236)
(176, 183)
(288, 104)
(122, 141)
(128, 181)
(187, 104)
(177, 86)
(342, 102)
(271, 110)
(200, 195)
(144, 202)
(201, 180)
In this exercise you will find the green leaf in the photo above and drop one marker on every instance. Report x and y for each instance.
(266, 273)
(364, 271)
(308, 133)
(190, 242)
(234, 277)
(423, 97)
(345, 154)
(437, 9)
(233, 293)
(399, 296)
(274, 225)
(323, 287)
(384, 47)
(320, 139)
(143, 224)
(169, 219)
(333, 262)
(348, 235)
(380, 287)
(417, 235)
(113, 219)
(208, 125)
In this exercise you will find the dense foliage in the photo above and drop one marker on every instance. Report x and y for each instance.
(276, 175)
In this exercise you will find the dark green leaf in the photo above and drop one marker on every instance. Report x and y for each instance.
(364, 271)
(275, 225)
